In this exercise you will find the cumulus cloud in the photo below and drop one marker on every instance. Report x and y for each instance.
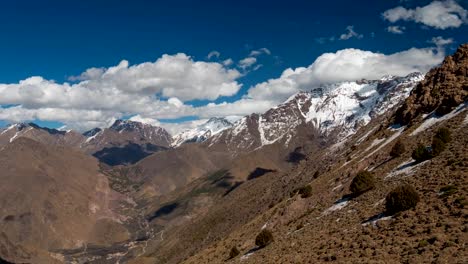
(228, 62)
(351, 64)
(396, 29)
(145, 120)
(437, 14)
(258, 52)
(350, 34)
(153, 91)
(213, 54)
(104, 93)
(247, 62)
(440, 41)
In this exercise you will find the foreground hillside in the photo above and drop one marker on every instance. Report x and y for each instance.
(327, 223)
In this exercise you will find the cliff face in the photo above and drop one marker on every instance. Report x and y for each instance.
(444, 88)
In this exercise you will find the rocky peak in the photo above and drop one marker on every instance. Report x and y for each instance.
(444, 88)
(92, 132)
(202, 132)
(120, 125)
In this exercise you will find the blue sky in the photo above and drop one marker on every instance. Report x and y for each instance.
(59, 39)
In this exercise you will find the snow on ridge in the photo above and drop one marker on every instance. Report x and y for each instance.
(202, 132)
(350, 105)
(433, 119)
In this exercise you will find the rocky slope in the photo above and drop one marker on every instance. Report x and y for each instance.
(54, 198)
(329, 225)
(443, 89)
(193, 203)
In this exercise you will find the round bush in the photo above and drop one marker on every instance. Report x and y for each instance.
(443, 134)
(402, 198)
(438, 146)
(363, 182)
(421, 153)
(305, 191)
(397, 150)
(264, 238)
(234, 252)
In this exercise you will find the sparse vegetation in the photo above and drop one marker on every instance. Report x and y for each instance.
(423, 243)
(305, 191)
(316, 174)
(443, 134)
(363, 182)
(437, 146)
(448, 190)
(264, 238)
(421, 153)
(402, 198)
(397, 150)
(234, 252)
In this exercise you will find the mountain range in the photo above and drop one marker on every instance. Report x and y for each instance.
(133, 193)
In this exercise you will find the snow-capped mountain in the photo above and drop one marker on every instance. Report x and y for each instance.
(41, 134)
(340, 108)
(126, 130)
(202, 132)
(125, 142)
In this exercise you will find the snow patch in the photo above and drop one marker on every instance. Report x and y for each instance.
(340, 204)
(246, 256)
(93, 137)
(337, 187)
(378, 218)
(434, 119)
(388, 141)
(408, 167)
(361, 139)
(374, 143)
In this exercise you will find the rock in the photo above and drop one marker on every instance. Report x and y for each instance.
(443, 89)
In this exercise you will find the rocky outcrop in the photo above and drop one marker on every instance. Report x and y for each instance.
(444, 88)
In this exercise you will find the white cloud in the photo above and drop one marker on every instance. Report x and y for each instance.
(145, 120)
(228, 62)
(123, 90)
(247, 62)
(213, 54)
(350, 34)
(440, 41)
(438, 14)
(258, 52)
(175, 102)
(396, 29)
(351, 64)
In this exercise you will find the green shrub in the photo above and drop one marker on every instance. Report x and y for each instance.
(397, 150)
(443, 134)
(402, 198)
(421, 153)
(264, 238)
(423, 243)
(448, 190)
(234, 252)
(437, 146)
(305, 191)
(316, 174)
(363, 182)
